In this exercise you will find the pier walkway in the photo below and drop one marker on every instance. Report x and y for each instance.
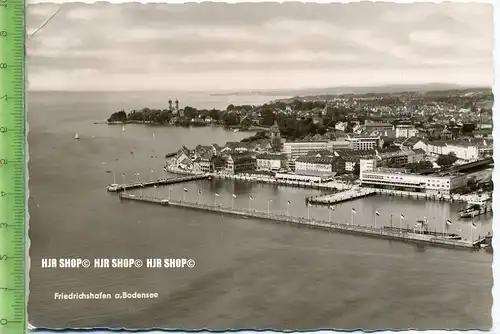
(159, 182)
(342, 196)
(391, 234)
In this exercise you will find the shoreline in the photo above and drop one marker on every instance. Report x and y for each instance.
(250, 129)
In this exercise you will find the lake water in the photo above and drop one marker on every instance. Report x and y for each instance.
(248, 273)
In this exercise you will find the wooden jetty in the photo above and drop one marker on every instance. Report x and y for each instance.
(342, 196)
(384, 233)
(159, 182)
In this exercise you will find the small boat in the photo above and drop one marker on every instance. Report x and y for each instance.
(77, 136)
(470, 212)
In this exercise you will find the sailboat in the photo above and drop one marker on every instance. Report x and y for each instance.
(77, 136)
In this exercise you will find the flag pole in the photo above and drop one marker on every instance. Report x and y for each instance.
(287, 205)
(249, 203)
(375, 221)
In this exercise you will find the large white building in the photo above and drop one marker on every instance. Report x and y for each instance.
(270, 162)
(370, 176)
(360, 142)
(295, 149)
(406, 131)
(317, 165)
(464, 151)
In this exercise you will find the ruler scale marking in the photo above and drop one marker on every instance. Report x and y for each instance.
(13, 294)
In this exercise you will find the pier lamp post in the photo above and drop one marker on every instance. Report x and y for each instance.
(154, 191)
(137, 176)
(288, 205)
(268, 203)
(124, 188)
(142, 186)
(232, 201)
(250, 199)
(151, 175)
(308, 210)
(330, 209)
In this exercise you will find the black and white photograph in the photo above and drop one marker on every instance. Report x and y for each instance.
(272, 166)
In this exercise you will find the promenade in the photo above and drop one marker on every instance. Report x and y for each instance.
(342, 196)
(391, 234)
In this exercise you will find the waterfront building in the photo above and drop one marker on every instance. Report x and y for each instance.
(363, 142)
(271, 162)
(202, 159)
(239, 162)
(429, 184)
(319, 165)
(374, 177)
(405, 131)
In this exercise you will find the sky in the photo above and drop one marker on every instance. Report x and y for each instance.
(257, 46)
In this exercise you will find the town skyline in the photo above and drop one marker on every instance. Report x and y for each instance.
(244, 46)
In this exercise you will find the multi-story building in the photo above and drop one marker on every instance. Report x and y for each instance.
(405, 131)
(317, 165)
(362, 142)
(271, 162)
(399, 157)
(376, 126)
(296, 149)
(370, 176)
(465, 151)
(239, 162)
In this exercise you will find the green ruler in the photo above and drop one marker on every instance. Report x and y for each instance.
(13, 227)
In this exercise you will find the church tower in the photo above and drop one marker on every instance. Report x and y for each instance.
(275, 137)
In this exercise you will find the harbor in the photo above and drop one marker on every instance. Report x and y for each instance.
(391, 233)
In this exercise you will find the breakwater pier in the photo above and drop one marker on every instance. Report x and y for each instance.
(159, 182)
(342, 196)
(396, 234)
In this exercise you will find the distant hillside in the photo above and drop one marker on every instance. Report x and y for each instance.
(352, 90)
